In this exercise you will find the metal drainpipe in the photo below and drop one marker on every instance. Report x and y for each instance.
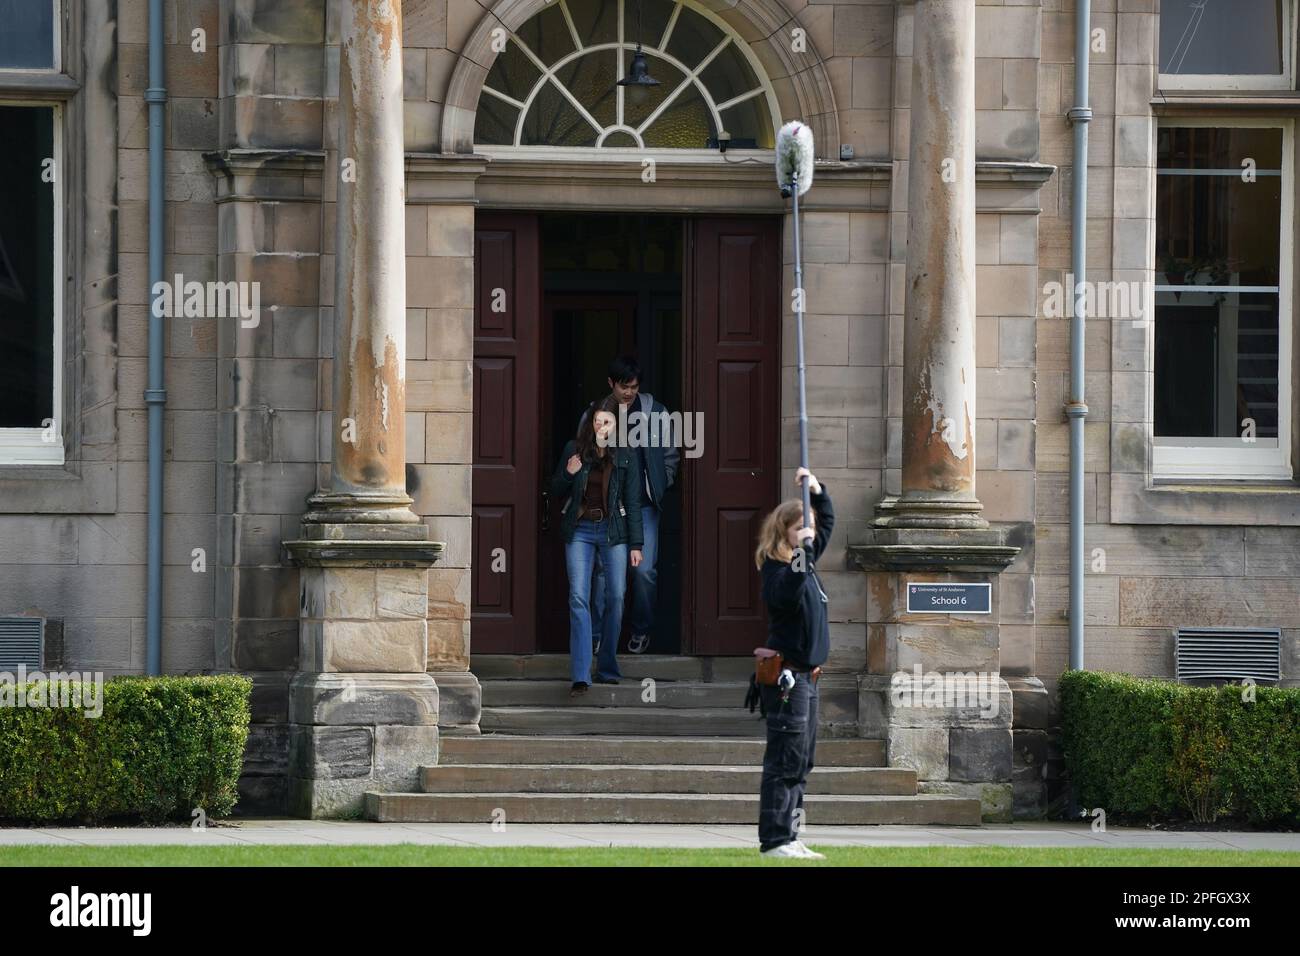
(1075, 408)
(155, 395)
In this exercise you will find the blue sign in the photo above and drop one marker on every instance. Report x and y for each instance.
(949, 598)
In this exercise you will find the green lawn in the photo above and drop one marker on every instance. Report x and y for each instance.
(407, 854)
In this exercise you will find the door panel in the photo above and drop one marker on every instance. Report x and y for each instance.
(735, 371)
(507, 375)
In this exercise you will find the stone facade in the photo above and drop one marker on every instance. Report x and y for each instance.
(252, 146)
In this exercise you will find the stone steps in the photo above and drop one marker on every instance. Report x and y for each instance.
(664, 808)
(677, 751)
(648, 721)
(630, 693)
(662, 667)
(692, 757)
(652, 778)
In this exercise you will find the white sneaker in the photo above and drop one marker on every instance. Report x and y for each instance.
(638, 643)
(806, 852)
(785, 849)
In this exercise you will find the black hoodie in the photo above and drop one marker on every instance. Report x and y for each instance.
(797, 621)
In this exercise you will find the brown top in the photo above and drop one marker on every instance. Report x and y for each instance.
(597, 493)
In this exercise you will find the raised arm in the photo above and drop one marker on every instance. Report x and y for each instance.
(822, 507)
(562, 481)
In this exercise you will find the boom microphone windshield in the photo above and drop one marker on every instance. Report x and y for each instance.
(794, 157)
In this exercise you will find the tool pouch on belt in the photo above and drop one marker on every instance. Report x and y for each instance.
(767, 666)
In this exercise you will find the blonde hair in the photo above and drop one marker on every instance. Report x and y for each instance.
(773, 536)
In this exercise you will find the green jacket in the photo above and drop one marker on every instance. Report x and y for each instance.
(623, 506)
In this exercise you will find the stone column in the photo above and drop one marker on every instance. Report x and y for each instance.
(933, 532)
(368, 477)
(939, 314)
(363, 711)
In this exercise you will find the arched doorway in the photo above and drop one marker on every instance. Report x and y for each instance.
(705, 318)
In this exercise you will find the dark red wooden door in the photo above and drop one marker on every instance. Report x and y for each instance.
(582, 332)
(507, 375)
(734, 365)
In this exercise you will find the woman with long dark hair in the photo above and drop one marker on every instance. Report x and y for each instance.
(798, 630)
(601, 487)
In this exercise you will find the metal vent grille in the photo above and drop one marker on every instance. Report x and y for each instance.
(22, 641)
(1228, 653)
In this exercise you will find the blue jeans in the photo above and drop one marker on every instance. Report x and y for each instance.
(590, 538)
(645, 578)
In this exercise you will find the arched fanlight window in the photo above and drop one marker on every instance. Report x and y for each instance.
(555, 83)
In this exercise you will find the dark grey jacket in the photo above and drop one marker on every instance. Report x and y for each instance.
(658, 463)
(623, 503)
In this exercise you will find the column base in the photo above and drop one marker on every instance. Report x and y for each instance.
(953, 728)
(930, 511)
(363, 713)
(901, 548)
(933, 690)
(357, 508)
(332, 768)
(350, 733)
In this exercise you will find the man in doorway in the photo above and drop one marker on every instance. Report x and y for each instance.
(659, 466)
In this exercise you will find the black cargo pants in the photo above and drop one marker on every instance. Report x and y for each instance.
(791, 742)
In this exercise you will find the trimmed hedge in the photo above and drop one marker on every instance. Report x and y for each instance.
(163, 747)
(1155, 749)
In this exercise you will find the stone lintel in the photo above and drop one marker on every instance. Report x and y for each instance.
(935, 549)
(272, 175)
(362, 553)
(258, 159)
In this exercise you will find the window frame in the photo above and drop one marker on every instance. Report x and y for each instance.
(624, 47)
(26, 446)
(1238, 82)
(7, 72)
(1232, 458)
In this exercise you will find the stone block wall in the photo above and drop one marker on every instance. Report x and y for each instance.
(1207, 556)
(73, 544)
(248, 418)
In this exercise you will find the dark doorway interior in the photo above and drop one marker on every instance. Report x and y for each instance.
(611, 284)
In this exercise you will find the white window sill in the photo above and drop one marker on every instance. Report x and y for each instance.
(25, 446)
(1221, 459)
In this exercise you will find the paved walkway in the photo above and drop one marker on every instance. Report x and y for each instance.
(341, 833)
